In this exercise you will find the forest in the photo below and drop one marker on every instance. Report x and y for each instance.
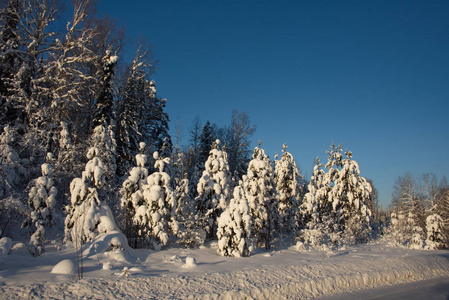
(85, 149)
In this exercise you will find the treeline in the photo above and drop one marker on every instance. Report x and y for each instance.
(85, 147)
(420, 212)
(60, 79)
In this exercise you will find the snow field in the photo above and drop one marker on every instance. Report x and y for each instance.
(285, 273)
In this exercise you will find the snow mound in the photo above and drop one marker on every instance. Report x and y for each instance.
(5, 246)
(106, 242)
(66, 267)
(190, 262)
(20, 249)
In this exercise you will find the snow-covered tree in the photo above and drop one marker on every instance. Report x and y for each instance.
(213, 188)
(156, 127)
(88, 216)
(206, 140)
(12, 170)
(234, 227)
(42, 200)
(435, 237)
(261, 194)
(156, 215)
(103, 115)
(286, 178)
(415, 233)
(315, 211)
(10, 59)
(132, 196)
(191, 233)
(131, 113)
(349, 195)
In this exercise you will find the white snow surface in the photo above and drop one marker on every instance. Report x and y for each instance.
(281, 274)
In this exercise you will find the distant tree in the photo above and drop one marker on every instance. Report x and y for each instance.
(237, 143)
(207, 138)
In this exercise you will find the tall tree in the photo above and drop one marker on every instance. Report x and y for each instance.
(237, 141)
(213, 188)
(10, 59)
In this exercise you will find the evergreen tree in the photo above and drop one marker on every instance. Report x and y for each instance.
(286, 178)
(131, 116)
(262, 198)
(10, 60)
(349, 194)
(213, 188)
(314, 213)
(88, 216)
(190, 233)
(105, 100)
(132, 198)
(435, 237)
(156, 119)
(42, 200)
(234, 227)
(12, 171)
(206, 140)
(156, 215)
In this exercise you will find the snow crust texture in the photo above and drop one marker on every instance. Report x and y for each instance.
(342, 272)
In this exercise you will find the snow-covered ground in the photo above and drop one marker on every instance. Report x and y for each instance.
(201, 273)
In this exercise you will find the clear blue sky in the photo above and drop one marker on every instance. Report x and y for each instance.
(372, 75)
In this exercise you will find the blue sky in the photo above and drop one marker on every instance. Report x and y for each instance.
(372, 75)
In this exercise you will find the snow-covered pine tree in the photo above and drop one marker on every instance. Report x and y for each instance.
(206, 140)
(131, 113)
(156, 215)
(213, 188)
(10, 60)
(155, 126)
(88, 216)
(103, 139)
(414, 233)
(42, 200)
(103, 115)
(349, 194)
(234, 227)
(262, 198)
(190, 233)
(286, 178)
(315, 211)
(436, 240)
(12, 171)
(132, 198)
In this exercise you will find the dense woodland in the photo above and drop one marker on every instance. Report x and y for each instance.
(85, 149)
